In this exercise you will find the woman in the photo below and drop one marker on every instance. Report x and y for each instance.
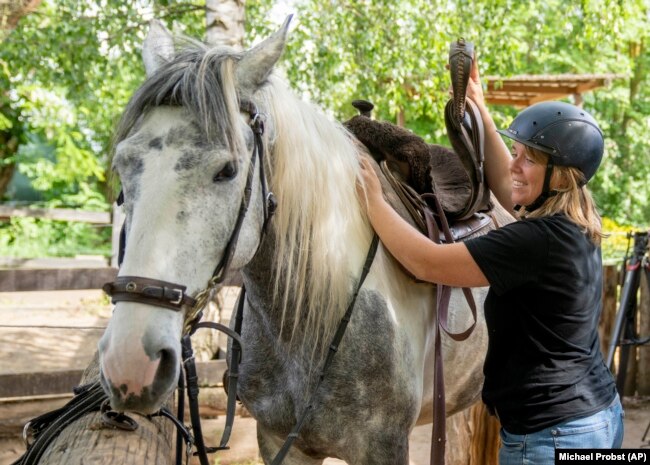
(545, 377)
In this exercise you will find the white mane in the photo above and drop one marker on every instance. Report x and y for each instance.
(319, 220)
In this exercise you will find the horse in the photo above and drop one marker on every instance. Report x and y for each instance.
(183, 157)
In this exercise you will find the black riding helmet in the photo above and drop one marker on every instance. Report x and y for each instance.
(568, 134)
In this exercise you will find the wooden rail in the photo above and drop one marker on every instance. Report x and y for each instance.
(210, 374)
(59, 214)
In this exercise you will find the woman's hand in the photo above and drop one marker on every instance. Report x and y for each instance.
(372, 192)
(474, 86)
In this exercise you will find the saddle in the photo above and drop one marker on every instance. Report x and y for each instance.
(444, 191)
(415, 169)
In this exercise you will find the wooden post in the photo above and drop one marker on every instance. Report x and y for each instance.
(643, 373)
(608, 315)
(88, 441)
(472, 437)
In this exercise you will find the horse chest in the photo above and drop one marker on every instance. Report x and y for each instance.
(372, 375)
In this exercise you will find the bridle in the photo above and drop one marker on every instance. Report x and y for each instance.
(173, 296)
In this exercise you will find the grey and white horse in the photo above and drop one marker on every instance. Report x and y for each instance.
(182, 158)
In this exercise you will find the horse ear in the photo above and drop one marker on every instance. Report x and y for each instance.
(257, 63)
(158, 47)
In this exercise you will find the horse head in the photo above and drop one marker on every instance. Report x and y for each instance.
(188, 158)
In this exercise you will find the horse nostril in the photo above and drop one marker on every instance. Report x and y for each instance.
(168, 364)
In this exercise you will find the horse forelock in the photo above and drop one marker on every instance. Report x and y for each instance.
(199, 79)
(322, 234)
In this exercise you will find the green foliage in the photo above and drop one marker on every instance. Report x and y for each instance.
(32, 237)
(394, 54)
(66, 73)
(69, 68)
(615, 243)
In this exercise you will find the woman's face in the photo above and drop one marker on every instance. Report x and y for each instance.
(527, 176)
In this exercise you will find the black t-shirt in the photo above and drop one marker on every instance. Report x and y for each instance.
(543, 364)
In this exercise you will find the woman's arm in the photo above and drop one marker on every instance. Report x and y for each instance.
(449, 264)
(497, 154)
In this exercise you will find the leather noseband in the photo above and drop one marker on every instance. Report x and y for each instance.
(148, 291)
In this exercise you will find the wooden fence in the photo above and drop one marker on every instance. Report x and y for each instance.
(16, 278)
(18, 275)
(65, 274)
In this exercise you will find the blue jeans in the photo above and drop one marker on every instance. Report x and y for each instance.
(602, 430)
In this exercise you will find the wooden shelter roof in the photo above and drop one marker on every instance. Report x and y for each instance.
(524, 90)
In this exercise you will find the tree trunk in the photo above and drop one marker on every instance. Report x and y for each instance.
(88, 440)
(11, 11)
(472, 437)
(225, 22)
(8, 148)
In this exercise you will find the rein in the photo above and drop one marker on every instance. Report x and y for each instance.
(333, 348)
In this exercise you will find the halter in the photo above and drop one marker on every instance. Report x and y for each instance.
(172, 296)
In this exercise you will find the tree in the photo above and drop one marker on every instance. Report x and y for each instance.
(225, 22)
(66, 72)
(11, 11)
(394, 53)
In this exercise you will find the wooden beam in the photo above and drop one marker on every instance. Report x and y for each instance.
(89, 440)
(210, 374)
(534, 88)
(58, 214)
(48, 263)
(17, 280)
(38, 384)
(545, 97)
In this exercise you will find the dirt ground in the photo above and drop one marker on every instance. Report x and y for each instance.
(48, 331)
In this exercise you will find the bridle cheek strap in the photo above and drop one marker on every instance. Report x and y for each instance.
(148, 291)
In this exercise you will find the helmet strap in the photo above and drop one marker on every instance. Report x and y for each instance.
(546, 190)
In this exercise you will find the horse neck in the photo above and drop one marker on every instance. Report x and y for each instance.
(319, 234)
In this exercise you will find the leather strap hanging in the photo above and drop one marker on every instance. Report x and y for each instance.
(441, 317)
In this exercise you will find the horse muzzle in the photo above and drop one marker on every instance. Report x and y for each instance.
(139, 362)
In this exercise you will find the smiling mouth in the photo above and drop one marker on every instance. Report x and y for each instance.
(517, 184)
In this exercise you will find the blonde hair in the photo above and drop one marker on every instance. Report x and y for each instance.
(573, 199)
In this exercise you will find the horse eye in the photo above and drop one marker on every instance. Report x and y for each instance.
(227, 173)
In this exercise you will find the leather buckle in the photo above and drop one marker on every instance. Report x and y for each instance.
(27, 433)
(179, 299)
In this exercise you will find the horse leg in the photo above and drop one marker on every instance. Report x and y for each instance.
(270, 444)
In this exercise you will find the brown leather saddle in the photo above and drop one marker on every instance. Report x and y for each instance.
(444, 191)
(416, 169)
